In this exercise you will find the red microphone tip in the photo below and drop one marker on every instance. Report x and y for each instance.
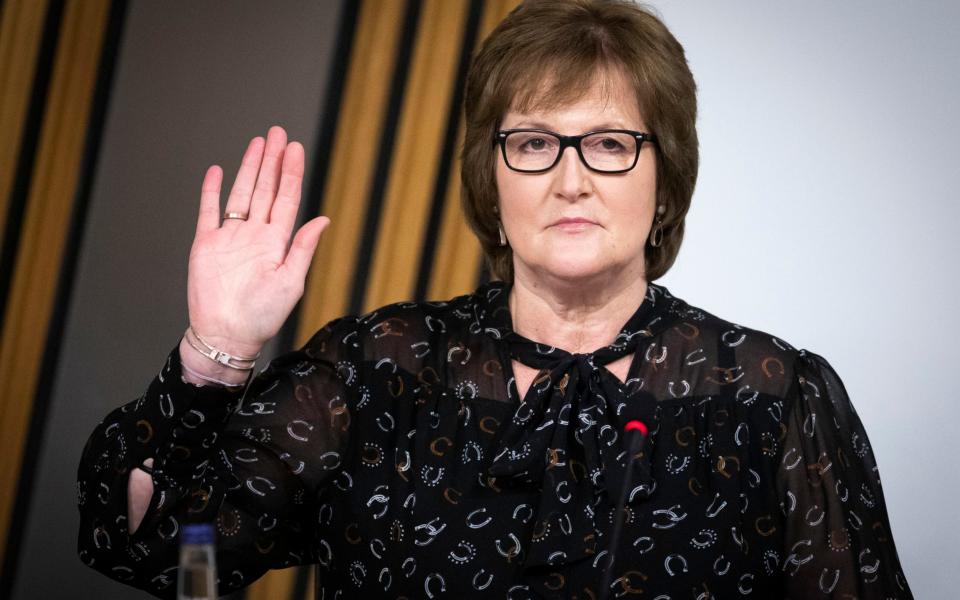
(635, 424)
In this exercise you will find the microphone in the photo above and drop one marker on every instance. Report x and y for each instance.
(635, 432)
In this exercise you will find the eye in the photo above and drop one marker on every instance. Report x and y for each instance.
(611, 144)
(534, 144)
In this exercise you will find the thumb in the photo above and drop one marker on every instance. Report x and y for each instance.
(304, 245)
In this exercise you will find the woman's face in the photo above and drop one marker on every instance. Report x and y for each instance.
(570, 223)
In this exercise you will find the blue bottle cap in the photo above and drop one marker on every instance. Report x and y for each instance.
(199, 533)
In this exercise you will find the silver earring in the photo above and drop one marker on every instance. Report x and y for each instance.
(656, 236)
(503, 236)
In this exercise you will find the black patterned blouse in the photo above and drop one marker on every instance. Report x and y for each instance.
(394, 453)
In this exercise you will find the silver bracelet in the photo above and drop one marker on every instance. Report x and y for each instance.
(230, 386)
(240, 363)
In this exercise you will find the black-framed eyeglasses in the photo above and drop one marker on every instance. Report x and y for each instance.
(604, 150)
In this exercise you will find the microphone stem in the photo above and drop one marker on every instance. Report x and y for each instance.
(636, 441)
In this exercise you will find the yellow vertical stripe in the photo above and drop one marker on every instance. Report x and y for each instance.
(21, 31)
(45, 226)
(274, 585)
(416, 156)
(353, 162)
(458, 253)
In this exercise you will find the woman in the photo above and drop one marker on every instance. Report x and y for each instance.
(477, 446)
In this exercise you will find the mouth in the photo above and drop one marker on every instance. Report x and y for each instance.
(573, 223)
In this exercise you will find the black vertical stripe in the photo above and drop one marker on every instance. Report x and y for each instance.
(27, 157)
(51, 354)
(320, 168)
(398, 86)
(430, 238)
(236, 595)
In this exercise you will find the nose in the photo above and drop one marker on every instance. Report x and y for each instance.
(571, 178)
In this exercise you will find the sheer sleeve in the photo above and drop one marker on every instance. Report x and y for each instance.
(837, 541)
(256, 468)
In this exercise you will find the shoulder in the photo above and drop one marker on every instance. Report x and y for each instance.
(398, 330)
(717, 352)
(416, 321)
(692, 325)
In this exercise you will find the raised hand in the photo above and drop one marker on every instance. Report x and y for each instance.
(245, 275)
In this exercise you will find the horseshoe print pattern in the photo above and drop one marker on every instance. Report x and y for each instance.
(394, 452)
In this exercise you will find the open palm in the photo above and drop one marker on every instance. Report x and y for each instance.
(245, 274)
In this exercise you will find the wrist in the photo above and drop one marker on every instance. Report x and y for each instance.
(200, 370)
(231, 346)
(199, 379)
(227, 358)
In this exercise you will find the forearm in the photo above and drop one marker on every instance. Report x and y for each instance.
(165, 427)
(198, 370)
(213, 461)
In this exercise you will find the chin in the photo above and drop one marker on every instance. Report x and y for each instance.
(576, 269)
(580, 264)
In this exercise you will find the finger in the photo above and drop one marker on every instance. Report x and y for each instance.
(239, 200)
(284, 212)
(303, 247)
(209, 217)
(265, 189)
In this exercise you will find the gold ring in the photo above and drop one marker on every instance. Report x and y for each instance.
(235, 215)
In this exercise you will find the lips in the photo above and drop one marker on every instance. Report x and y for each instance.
(572, 222)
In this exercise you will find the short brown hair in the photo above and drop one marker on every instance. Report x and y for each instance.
(547, 53)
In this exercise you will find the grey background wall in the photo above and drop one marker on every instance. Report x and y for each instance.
(824, 213)
(195, 81)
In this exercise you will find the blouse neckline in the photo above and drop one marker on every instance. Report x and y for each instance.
(648, 319)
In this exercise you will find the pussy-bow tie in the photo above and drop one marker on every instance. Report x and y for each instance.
(567, 435)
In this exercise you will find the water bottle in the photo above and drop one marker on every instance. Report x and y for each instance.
(198, 568)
